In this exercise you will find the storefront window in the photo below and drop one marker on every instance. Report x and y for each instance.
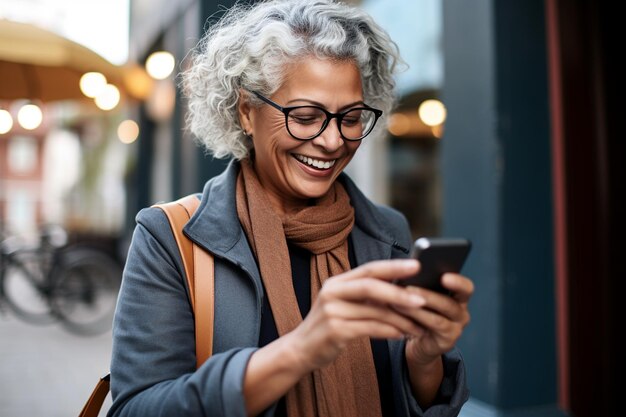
(412, 163)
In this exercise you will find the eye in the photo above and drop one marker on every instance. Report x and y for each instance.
(350, 121)
(306, 115)
(351, 118)
(303, 119)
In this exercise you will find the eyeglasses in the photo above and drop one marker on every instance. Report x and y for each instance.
(308, 122)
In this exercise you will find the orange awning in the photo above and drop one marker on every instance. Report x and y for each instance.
(39, 64)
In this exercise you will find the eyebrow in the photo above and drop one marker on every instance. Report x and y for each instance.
(318, 104)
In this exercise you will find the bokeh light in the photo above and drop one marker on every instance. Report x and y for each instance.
(92, 83)
(432, 112)
(160, 65)
(30, 116)
(6, 121)
(108, 98)
(128, 131)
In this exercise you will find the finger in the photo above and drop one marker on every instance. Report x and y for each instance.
(369, 290)
(437, 324)
(371, 328)
(381, 314)
(442, 304)
(434, 320)
(461, 286)
(387, 270)
(442, 312)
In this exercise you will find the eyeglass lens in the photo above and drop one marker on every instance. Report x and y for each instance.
(306, 122)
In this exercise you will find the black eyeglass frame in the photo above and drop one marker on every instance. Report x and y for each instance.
(329, 116)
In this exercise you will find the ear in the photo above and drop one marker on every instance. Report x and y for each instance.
(245, 112)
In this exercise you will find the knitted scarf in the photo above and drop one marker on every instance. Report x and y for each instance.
(348, 386)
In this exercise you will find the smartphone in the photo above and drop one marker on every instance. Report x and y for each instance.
(437, 255)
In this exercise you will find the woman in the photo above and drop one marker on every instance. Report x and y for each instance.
(307, 321)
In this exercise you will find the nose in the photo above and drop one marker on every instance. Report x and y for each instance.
(330, 139)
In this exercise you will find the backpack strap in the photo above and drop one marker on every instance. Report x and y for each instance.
(197, 263)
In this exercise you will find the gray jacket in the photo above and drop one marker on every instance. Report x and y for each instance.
(153, 363)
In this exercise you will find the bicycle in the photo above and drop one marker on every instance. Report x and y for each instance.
(75, 285)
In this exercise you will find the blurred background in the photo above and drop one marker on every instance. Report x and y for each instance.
(505, 133)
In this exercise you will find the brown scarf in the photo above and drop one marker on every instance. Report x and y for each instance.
(347, 387)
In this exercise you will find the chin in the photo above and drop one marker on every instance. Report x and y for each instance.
(314, 191)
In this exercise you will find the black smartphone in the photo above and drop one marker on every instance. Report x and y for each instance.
(437, 255)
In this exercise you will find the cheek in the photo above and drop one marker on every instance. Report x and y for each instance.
(269, 124)
(352, 148)
(275, 126)
(273, 138)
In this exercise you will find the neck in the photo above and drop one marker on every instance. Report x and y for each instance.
(285, 206)
(282, 205)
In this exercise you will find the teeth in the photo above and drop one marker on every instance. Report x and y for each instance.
(316, 163)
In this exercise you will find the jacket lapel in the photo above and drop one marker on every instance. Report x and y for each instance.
(215, 225)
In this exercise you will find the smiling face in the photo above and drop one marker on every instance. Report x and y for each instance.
(292, 171)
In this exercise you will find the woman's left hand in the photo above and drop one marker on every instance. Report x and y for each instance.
(442, 320)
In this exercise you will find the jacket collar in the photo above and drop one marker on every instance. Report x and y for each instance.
(215, 225)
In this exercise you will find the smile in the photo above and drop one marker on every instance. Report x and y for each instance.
(315, 163)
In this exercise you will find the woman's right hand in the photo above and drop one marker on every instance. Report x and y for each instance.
(358, 303)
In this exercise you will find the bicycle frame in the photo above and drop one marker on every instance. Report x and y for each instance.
(74, 284)
(26, 283)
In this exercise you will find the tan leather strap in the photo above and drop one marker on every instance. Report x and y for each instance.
(196, 262)
(94, 403)
(178, 213)
(204, 296)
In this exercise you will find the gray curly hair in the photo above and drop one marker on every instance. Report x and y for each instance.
(250, 47)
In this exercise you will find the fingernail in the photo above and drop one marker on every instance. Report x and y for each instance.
(417, 300)
(409, 263)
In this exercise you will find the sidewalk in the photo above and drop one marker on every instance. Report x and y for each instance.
(46, 371)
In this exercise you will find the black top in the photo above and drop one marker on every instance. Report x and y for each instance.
(301, 274)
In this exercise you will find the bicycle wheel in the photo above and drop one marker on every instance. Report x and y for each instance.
(26, 288)
(84, 294)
